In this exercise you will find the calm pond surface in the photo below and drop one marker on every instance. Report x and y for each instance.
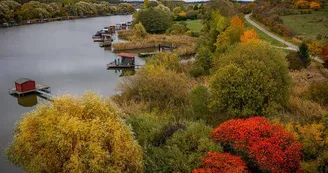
(59, 54)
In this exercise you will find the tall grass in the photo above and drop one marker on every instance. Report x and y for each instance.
(183, 45)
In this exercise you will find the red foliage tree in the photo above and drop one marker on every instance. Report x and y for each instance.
(221, 163)
(325, 52)
(270, 146)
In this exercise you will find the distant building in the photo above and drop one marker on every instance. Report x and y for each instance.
(24, 85)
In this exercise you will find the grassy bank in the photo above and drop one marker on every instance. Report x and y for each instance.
(194, 25)
(308, 26)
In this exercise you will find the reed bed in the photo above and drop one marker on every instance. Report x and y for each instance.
(183, 45)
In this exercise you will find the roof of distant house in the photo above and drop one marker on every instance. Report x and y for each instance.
(127, 55)
(22, 80)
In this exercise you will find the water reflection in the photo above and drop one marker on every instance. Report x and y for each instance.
(28, 100)
(124, 72)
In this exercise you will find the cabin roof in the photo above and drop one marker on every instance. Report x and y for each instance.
(22, 80)
(127, 55)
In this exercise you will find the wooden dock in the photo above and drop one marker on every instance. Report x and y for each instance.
(40, 89)
(122, 66)
(147, 54)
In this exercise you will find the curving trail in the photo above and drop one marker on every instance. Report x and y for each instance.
(290, 45)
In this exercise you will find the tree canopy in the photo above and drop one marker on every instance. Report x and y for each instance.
(75, 134)
(155, 19)
(251, 79)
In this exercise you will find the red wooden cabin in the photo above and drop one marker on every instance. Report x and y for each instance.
(24, 85)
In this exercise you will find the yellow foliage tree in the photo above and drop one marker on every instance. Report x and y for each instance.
(231, 35)
(75, 134)
(315, 48)
(146, 4)
(249, 35)
(315, 144)
(315, 5)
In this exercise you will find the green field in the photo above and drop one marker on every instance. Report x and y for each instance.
(264, 36)
(194, 25)
(308, 26)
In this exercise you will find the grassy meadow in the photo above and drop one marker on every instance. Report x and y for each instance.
(308, 26)
(194, 25)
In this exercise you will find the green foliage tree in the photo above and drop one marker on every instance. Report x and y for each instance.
(172, 147)
(9, 10)
(75, 134)
(251, 79)
(304, 54)
(139, 31)
(200, 101)
(155, 20)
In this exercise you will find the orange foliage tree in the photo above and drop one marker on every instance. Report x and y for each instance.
(272, 148)
(302, 4)
(249, 35)
(315, 5)
(221, 163)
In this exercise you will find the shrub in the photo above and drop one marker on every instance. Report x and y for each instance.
(302, 4)
(318, 91)
(325, 53)
(315, 6)
(225, 162)
(177, 29)
(269, 145)
(75, 134)
(294, 61)
(167, 60)
(196, 70)
(200, 99)
(251, 79)
(156, 86)
(185, 143)
(315, 48)
(139, 31)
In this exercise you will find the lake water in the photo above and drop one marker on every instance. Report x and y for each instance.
(59, 54)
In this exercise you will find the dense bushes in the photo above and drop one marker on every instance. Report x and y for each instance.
(313, 138)
(251, 79)
(294, 61)
(271, 147)
(172, 147)
(318, 92)
(75, 134)
(159, 87)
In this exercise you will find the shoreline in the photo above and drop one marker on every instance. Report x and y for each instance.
(57, 19)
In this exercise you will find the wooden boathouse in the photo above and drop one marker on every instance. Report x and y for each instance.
(24, 86)
(127, 61)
